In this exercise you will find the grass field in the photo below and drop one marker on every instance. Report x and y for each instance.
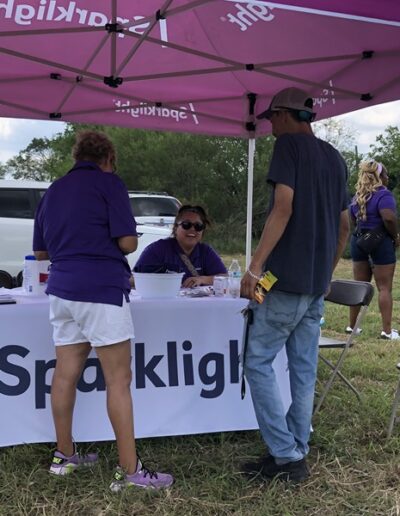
(355, 471)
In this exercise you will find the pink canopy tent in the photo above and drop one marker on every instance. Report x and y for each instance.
(198, 66)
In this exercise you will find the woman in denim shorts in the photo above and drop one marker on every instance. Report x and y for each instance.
(373, 206)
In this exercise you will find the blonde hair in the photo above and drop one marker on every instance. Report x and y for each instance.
(369, 180)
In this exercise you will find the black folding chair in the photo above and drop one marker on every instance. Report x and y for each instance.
(347, 293)
(6, 280)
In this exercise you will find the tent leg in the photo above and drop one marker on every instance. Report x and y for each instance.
(250, 179)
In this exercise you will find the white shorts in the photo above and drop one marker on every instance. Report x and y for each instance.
(99, 324)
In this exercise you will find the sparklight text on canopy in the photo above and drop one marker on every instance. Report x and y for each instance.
(246, 15)
(145, 110)
(49, 10)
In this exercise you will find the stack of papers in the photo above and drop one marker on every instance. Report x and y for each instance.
(6, 299)
(196, 292)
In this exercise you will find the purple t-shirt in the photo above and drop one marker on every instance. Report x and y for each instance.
(78, 222)
(164, 255)
(380, 200)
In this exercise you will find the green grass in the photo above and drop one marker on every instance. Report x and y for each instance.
(355, 471)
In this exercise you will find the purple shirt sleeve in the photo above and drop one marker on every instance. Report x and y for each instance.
(153, 254)
(386, 201)
(213, 263)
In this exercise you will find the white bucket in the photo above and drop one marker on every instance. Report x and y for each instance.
(149, 284)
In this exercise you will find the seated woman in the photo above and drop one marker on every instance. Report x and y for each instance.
(184, 251)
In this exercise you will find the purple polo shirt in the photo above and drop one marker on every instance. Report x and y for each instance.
(78, 222)
(164, 255)
(381, 199)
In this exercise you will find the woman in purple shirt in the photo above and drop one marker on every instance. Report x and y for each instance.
(184, 251)
(373, 206)
(84, 225)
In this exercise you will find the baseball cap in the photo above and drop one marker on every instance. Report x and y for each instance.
(290, 98)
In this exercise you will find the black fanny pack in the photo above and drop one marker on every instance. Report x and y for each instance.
(369, 239)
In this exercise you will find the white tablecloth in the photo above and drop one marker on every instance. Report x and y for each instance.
(186, 375)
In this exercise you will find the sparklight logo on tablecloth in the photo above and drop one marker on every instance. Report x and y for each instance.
(71, 12)
(176, 368)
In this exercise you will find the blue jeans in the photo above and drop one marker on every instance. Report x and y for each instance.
(290, 320)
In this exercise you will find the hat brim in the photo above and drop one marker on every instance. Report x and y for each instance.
(265, 114)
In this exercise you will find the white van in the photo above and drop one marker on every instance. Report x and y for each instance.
(154, 208)
(18, 202)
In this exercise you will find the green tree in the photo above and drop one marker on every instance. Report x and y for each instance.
(211, 171)
(353, 159)
(386, 149)
(41, 160)
(337, 133)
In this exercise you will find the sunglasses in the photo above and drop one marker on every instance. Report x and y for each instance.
(186, 224)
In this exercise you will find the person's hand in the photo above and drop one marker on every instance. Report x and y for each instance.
(327, 291)
(249, 282)
(397, 240)
(194, 281)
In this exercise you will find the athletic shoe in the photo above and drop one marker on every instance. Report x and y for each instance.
(63, 465)
(143, 477)
(349, 329)
(393, 335)
(294, 472)
(256, 467)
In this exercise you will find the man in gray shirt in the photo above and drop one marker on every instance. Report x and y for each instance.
(303, 238)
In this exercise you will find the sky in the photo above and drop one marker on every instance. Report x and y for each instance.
(16, 134)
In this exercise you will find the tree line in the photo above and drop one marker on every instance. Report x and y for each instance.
(211, 171)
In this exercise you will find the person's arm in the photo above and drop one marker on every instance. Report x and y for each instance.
(127, 244)
(352, 219)
(197, 281)
(212, 265)
(121, 221)
(274, 228)
(41, 255)
(389, 220)
(344, 230)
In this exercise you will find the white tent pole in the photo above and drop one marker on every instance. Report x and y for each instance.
(250, 176)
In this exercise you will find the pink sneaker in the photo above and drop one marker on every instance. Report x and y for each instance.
(143, 477)
(63, 465)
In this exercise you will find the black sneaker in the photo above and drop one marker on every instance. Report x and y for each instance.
(295, 472)
(258, 466)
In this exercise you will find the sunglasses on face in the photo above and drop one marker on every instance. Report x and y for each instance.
(186, 224)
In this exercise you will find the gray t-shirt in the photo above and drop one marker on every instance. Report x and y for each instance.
(303, 258)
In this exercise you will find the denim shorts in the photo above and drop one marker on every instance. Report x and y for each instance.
(384, 254)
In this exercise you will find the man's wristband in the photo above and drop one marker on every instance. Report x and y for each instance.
(252, 275)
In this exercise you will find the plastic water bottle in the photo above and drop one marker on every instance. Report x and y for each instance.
(30, 279)
(234, 276)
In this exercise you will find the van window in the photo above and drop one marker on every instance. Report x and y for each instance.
(154, 206)
(15, 204)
